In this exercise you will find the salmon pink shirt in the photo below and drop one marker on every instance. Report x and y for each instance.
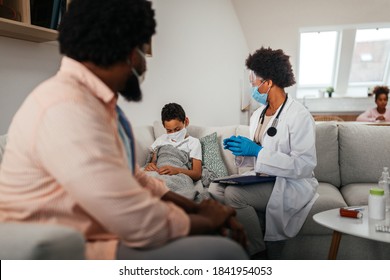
(65, 164)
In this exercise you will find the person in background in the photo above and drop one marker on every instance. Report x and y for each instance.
(281, 144)
(176, 157)
(175, 122)
(380, 113)
(70, 160)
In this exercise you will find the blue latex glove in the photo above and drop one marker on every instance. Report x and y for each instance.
(241, 146)
(226, 140)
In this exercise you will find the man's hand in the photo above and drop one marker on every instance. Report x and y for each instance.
(151, 167)
(212, 216)
(168, 170)
(237, 231)
(217, 213)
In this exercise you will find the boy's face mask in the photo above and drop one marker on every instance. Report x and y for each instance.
(178, 136)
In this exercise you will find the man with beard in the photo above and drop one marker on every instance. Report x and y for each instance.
(69, 156)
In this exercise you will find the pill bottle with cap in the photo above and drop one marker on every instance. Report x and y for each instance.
(376, 204)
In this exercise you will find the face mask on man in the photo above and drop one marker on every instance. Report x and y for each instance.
(141, 77)
(258, 96)
(178, 136)
(132, 90)
(140, 72)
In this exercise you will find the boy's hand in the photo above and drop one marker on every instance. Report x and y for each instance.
(151, 167)
(168, 170)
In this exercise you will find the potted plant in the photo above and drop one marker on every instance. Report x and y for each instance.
(329, 90)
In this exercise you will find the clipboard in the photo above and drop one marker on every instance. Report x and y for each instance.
(245, 180)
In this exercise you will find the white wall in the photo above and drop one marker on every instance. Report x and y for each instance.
(198, 53)
(198, 61)
(277, 23)
(23, 65)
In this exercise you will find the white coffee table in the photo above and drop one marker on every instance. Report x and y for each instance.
(363, 227)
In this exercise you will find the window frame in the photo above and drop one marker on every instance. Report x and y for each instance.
(335, 59)
(342, 64)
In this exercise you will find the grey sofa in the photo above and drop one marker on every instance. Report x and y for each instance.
(350, 160)
(28, 241)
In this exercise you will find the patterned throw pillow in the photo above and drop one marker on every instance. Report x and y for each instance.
(211, 154)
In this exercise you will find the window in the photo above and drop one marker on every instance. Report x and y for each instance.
(317, 58)
(352, 59)
(370, 56)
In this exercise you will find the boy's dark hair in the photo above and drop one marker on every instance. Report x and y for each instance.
(105, 31)
(378, 90)
(272, 65)
(172, 111)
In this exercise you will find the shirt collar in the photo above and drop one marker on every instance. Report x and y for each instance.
(89, 79)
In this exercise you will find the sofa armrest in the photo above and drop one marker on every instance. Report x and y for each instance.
(40, 241)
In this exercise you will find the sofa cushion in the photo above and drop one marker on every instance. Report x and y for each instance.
(327, 147)
(144, 138)
(364, 151)
(330, 198)
(159, 129)
(243, 130)
(24, 241)
(357, 194)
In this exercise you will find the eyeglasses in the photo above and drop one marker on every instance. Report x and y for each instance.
(253, 77)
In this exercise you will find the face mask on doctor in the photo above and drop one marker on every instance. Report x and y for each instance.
(178, 136)
(258, 96)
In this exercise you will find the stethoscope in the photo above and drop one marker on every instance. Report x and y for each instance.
(272, 130)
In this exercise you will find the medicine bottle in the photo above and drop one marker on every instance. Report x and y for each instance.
(376, 204)
(383, 183)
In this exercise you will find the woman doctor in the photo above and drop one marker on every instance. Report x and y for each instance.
(282, 144)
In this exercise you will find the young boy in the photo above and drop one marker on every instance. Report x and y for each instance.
(175, 122)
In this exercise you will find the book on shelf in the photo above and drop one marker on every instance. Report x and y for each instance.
(55, 14)
(47, 13)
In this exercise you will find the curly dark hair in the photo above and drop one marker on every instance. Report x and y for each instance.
(172, 111)
(271, 65)
(105, 31)
(378, 90)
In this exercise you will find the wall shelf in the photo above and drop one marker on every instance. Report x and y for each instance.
(24, 31)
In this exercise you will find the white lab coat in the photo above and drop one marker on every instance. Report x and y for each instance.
(291, 156)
